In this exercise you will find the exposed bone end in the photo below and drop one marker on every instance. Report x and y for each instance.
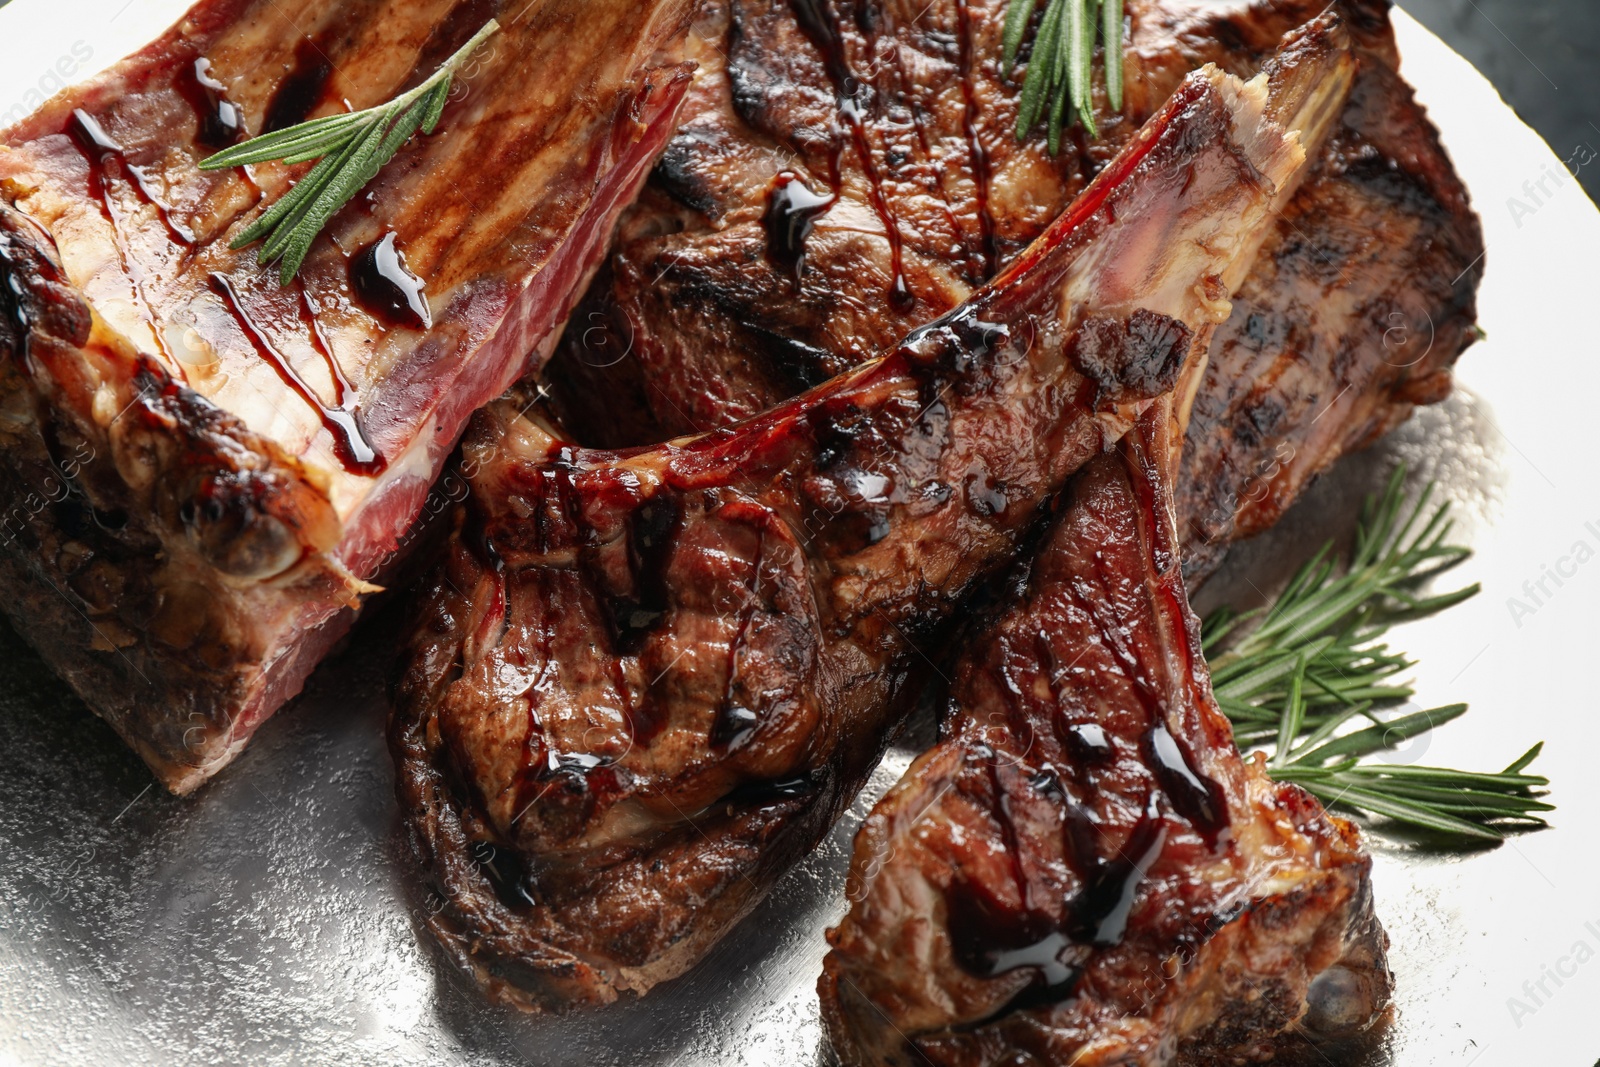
(1283, 114)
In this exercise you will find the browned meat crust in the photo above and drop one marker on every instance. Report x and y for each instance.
(1358, 310)
(1084, 870)
(642, 683)
(206, 471)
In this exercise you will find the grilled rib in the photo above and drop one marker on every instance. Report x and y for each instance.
(643, 683)
(214, 469)
(1084, 870)
(759, 260)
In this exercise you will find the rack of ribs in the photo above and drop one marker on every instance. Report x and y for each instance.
(642, 683)
(845, 172)
(207, 471)
(1084, 870)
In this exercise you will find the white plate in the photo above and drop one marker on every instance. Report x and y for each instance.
(266, 921)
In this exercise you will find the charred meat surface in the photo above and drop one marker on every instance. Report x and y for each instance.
(836, 155)
(213, 468)
(643, 683)
(1084, 870)
(1357, 309)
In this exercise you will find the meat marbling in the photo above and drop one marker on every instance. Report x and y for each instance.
(643, 683)
(1084, 870)
(204, 471)
(760, 260)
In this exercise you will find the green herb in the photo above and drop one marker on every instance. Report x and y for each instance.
(1061, 64)
(1297, 674)
(352, 148)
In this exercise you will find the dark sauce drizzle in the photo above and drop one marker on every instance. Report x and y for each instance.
(1196, 797)
(1008, 826)
(989, 939)
(505, 871)
(1089, 742)
(772, 791)
(301, 90)
(367, 458)
(651, 534)
(13, 298)
(792, 209)
(386, 287)
(989, 942)
(342, 422)
(103, 153)
(969, 126)
(821, 27)
(219, 121)
(1099, 912)
(734, 723)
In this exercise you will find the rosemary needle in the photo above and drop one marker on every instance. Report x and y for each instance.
(351, 149)
(1061, 66)
(1303, 672)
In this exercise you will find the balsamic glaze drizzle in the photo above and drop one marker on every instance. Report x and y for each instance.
(385, 286)
(301, 90)
(1099, 912)
(343, 421)
(219, 121)
(13, 299)
(820, 25)
(792, 209)
(980, 156)
(651, 535)
(1196, 797)
(505, 871)
(103, 153)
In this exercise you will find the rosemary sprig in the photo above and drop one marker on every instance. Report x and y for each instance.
(1299, 674)
(352, 148)
(1061, 65)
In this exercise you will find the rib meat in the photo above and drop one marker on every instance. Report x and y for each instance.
(643, 683)
(211, 468)
(1084, 870)
(760, 259)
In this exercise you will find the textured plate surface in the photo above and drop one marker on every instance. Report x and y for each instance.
(266, 920)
